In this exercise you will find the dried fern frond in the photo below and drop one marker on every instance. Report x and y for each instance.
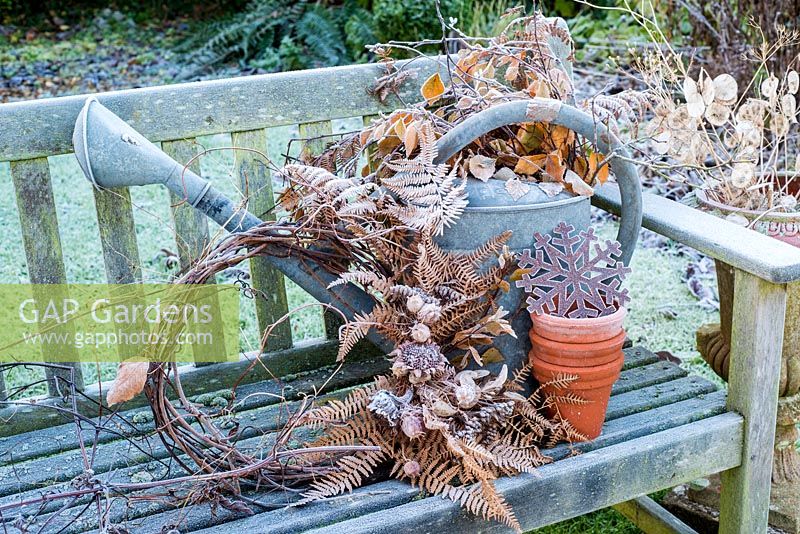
(451, 434)
(429, 195)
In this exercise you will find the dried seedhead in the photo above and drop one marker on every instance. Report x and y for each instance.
(419, 362)
(738, 142)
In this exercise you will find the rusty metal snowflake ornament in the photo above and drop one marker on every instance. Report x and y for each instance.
(573, 275)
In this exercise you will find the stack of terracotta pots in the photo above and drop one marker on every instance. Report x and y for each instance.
(590, 349)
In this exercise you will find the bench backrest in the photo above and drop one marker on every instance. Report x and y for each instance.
(246, 108)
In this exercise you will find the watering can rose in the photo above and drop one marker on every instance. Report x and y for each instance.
(146, 322)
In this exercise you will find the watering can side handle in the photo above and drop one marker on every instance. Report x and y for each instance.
(556, 112)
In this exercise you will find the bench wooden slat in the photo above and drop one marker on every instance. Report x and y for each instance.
(42, 242)
(255, 181)
(260, 416)
(658, 395)
(745, 249)
(571, 487)
(118, 235)
(302, 357)
(44, 127)
(651, 517)
(362, 500)
(310, 130)
(36, 473)
(647, 375)
(191, 225)
(150, 517)
(118, 241)
(759, 310)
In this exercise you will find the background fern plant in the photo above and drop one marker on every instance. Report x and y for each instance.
(280, 35)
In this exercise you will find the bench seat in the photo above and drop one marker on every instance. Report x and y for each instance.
(663, 427)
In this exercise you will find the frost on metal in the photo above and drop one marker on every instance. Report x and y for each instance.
(573, 275)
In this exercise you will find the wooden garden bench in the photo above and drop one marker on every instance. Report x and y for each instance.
(664, 427)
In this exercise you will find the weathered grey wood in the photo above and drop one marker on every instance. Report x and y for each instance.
(756, 343)
(118, 240)
(44, 127)
(123, 473)
(637, 357)
(647, 375)
(259, 415)
(651, 517)
(658, 395)
(304, 356)
(118, 235)
(300, 361)
(315, 133)
(191, 226)
(42, 242)
(744, 249)
(50, 441)
(363, 500)
(255, 181)
(570, 487)
(2, 386)
(294, 520)
(118, 461)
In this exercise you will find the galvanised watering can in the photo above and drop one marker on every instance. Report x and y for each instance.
(112, 154)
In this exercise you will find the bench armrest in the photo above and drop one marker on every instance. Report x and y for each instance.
(742, 248)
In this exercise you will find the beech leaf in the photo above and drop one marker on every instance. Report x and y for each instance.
(465, 102)
(530, 164)
(554, 167)
(492, 356)
(579, 187)
(517, 189)
(131, 377)
(551, 189)
(482, 167)
(504, 173)
(602, 173)
(433, 88)
(411, 138)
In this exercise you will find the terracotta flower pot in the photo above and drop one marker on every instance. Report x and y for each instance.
(779, 225)
(577, 354)
(588, 348)
(579, 330)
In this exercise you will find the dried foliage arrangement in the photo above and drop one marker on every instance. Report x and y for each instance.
(443, 429)
(739, 142)
(449, 430)
(449, 433)
(532, 57)
(438, 307)
(571, 275)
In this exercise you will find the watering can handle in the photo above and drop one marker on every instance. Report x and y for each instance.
(556, 112)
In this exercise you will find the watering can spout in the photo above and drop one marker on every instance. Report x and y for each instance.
(112, 154)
